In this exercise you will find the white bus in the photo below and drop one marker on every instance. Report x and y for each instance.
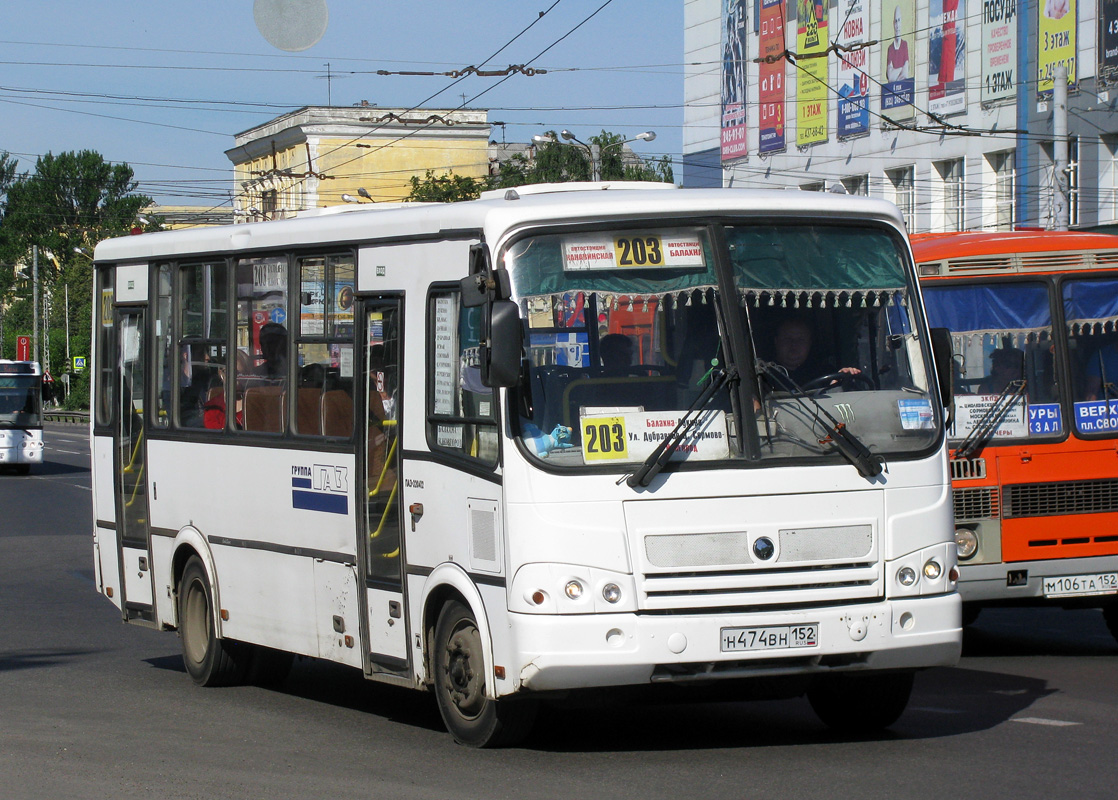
(541, 442)
(21, 415)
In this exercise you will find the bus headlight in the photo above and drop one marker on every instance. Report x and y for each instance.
(966, 542)
(611, 593)
(932, 570)
(906, 576)
(573, 589)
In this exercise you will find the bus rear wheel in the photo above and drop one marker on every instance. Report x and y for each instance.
(210, 661)
(460, 686)
(860, 704)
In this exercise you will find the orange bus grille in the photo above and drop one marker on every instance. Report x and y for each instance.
(977, 503)
(1059, 498)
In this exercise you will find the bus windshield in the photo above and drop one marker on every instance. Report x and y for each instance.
(800, 327)
(1006, 383)
(1091, 315)
(21, 401)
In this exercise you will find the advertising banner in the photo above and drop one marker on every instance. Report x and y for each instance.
(999, 50)
(947, 57)
(853, 80)
(734, 128)
(1056, 42)
(1108, 41)
(811, 73)
(772, 76)
(898, 70)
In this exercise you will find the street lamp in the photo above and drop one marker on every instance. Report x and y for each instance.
(593, 152)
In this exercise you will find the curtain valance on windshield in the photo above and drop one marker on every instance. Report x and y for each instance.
(1091, 306)
(1020, 312)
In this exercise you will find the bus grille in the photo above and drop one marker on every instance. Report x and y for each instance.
(1055, 499)
(977, 503)
(963, 469)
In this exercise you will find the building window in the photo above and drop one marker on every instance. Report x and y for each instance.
(815, 186)
(954, 209)
(903, 181)
(1073, 181)
(857, 184)
(1002, 165)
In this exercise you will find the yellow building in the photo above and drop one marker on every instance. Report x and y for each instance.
(326, 155)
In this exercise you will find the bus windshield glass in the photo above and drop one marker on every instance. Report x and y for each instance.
(798, 327)
(1005, 376)
(21, 401)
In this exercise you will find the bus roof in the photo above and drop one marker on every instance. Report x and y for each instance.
(19, 367)
(940, 246)
(494, 216)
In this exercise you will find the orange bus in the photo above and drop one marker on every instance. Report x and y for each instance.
(1033, 317)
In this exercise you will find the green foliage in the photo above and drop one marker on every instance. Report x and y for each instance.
(448, 188)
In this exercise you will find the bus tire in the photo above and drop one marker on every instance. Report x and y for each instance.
(268, 668)
(460, 674)
(209, 661)
(860, 704)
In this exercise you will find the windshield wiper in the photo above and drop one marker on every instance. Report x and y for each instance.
(851, 447)
(663, 452)
(976, 439)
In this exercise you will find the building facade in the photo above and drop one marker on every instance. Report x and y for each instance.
(944, 107)
(324, 155)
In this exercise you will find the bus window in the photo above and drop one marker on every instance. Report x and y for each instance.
(163, 351)
(262, 333)
(325, 348)
(1003, 355)
(202, 340)
(462, 411)
(1091, 314)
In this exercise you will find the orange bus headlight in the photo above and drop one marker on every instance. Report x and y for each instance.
(966, 543)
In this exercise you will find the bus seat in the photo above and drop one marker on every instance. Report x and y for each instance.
(308, 411)
(336, 413)
(653, 392)
(264, 408)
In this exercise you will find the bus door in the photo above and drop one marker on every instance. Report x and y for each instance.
(131, 482)
(381, 545)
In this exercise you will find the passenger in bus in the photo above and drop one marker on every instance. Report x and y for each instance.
(194, 384)
(214, 409)
(1103, 366)
(616, 353)
(1006, 365)
(273, 349)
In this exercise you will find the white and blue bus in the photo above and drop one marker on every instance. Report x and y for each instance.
(543, 442)
(21, 415)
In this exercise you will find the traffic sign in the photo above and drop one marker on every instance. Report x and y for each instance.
(79, 363)
(23, 348)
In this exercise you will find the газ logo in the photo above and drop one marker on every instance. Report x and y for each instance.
(320, 487)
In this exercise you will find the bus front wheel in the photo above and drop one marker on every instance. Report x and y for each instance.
(460, 686)
(860, 704)
(210, 661)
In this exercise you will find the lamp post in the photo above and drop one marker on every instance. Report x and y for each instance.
(593, 152)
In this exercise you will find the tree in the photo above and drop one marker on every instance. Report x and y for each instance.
(72, 200)
(448, 188)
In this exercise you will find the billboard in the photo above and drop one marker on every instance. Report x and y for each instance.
(853, 80)
(772, 74)
(898, 69)
(999, 50)
(1108, 41)
(1056, 42)
(811, 73)
(947, 57)
(734, 128)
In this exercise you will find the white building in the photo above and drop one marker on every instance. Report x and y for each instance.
(956, 144)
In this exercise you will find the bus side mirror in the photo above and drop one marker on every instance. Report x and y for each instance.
(943, 355)
(501, 353)
(485, 287)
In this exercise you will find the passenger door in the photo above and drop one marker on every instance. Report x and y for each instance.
(132, 512)
(381, 548)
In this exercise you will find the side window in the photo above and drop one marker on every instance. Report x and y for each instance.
(201, 347)
(263, 355)
(106, 348)
(164, 351)
(461, 412)
(324, 378)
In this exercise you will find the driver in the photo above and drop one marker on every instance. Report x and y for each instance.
(792, 353)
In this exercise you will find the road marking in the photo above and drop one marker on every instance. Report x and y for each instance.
(67, 452)
(1056, 723)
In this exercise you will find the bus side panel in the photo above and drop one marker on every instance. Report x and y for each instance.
(104, 497)
(269, 514)
(162, 551)
(107, 555)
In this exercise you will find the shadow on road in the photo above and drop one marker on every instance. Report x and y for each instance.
(45, 470)
(37, 659)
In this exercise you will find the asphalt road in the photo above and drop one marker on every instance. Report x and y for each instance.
(90, 707)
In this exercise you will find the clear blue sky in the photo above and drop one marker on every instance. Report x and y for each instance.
(165, 86)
